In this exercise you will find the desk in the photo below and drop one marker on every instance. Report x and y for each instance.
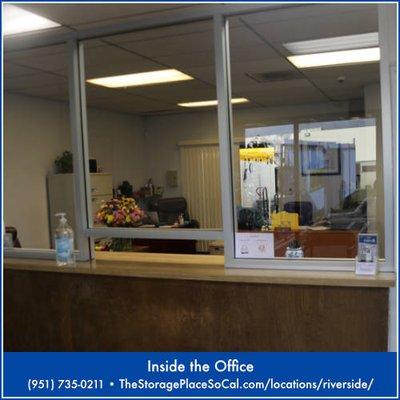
(167, 245)
(318, 244)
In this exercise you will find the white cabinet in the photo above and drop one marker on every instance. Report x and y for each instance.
(61, 196)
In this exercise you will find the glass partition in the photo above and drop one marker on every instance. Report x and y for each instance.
(308, 162)
(153, 135)
(38, 174)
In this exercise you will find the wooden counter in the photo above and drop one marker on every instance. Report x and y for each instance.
(198, 267)
(189, 303)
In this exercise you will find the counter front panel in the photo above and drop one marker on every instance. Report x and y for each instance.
(46, 310)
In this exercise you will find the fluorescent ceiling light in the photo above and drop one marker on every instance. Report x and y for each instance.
(348, 42)
(336, 58)
(141, 79)
(208, 103)
(18, 20)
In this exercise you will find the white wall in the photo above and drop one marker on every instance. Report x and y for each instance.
(36, 131)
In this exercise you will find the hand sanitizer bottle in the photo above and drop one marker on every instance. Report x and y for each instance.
(64, 240)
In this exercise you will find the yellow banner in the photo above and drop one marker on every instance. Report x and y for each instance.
(257, 154)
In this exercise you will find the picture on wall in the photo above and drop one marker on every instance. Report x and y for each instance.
(320, 158)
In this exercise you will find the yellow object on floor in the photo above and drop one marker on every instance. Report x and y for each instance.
(284, 219)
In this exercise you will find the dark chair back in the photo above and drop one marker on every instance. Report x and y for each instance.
(303, 208)
(14, 233)
(170, 208)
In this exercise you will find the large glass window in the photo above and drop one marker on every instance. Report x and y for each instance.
(38, 175)
(153, 135)
(307, 151)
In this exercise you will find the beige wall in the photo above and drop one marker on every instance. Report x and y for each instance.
(117, 141)
(36, 131)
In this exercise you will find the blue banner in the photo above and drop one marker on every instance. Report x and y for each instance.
(233, 375)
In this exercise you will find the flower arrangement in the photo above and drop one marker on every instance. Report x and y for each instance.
(122, 213)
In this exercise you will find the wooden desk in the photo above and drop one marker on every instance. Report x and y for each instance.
(318, 244)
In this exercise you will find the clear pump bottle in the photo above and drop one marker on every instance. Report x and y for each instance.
(64, 241)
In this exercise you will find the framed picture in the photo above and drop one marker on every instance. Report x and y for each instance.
(320, 158)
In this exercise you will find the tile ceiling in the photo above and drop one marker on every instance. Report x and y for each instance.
(256, 48)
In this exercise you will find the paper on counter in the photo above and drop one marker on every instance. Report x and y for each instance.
(254, 245)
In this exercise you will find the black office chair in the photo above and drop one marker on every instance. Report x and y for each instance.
(354, 219)
(169, 210)
(303, 208)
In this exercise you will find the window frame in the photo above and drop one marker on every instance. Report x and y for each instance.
(389, 121)
(85, 233)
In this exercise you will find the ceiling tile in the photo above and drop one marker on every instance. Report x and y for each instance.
(248, 84)
(178, 92)
(52, 92)
(308, 11)
(34, 80)
(173, 46)
(51, 58)
(11, 70)
(279, 98)
(344, 93)
(252, 53)
(184, 61)
(259, 66)
(118, 62)
(307, 28)
(123, 102)
(241, 36)
(189, 48)
(163, 32)
(205, 74)
(350, 72)
(89, 14)
(97, 92)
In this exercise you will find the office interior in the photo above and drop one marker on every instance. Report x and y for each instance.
(307, 141)
(141, 136)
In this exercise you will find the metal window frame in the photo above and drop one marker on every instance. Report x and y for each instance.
(220, 14)
(211, 13)
(79, 147)
(388, 137)
(78, 119)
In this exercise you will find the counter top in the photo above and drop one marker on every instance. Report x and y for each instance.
(198, 267)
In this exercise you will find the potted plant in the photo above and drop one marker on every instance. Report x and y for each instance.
(63, 163)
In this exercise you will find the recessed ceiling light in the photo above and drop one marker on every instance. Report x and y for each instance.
(347, 42)
(336, 58)
(17, 20)
(141, 79)
(208, 103)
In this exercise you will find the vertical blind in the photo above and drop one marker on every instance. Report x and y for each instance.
(201, 184)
